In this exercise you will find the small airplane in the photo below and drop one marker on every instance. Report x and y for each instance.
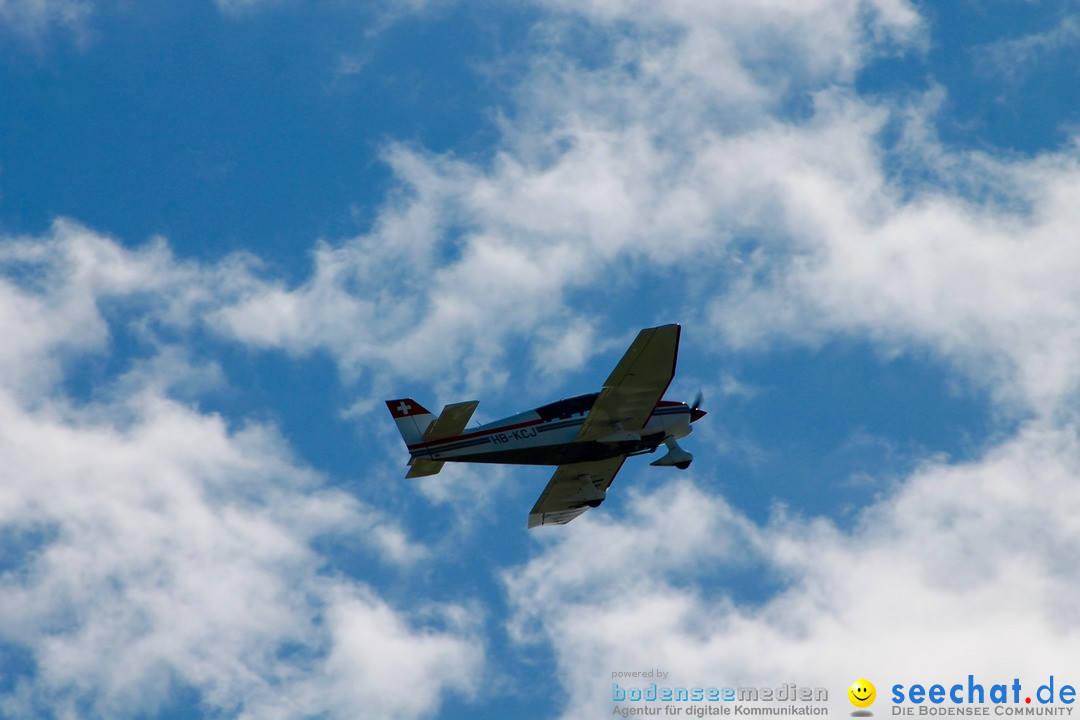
(587, 436)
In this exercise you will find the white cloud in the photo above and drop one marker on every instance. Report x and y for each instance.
(236, 7)
(382, 668)
(810, 232)
(603, 171)
(154, 547)
(56, 287)
(1016, 57)
(766, 38)
(964, 569)
(34, 18)
(988, 285)
(718, 139)
(974, 261)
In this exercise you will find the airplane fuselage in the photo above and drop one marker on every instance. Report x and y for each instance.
(545, 436)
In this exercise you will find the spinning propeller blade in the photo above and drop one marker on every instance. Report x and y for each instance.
(696, 413)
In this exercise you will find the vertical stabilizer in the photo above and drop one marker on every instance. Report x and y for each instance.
(412, 419)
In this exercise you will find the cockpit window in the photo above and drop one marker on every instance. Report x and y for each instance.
(567, 408)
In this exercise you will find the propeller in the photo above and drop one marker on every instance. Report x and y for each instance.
(696, 413)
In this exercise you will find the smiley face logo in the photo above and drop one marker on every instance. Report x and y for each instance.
(862, 693)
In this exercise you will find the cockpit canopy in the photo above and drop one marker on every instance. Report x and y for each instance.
(568, 407)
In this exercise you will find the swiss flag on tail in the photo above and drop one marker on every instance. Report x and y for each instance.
(412, 419)
(405, 407)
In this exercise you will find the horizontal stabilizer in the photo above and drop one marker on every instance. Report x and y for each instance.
(452, 421)
(422, 467)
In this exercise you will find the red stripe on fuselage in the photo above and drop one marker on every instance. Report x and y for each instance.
(517, 426)
(475, 433)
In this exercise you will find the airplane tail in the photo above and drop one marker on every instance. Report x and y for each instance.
(412, 419)
(417, 425)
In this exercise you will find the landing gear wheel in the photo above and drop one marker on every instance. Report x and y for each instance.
(675, 455)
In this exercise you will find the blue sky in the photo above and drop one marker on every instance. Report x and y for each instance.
(229, 230)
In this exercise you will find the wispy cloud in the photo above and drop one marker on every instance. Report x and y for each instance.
(681, 142)
(35, 18)
(1017, 58)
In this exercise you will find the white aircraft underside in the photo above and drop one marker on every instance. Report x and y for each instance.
(587, 436)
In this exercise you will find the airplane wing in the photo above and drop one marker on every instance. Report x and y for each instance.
(571, 490)
(634, 387)
(619, 413)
